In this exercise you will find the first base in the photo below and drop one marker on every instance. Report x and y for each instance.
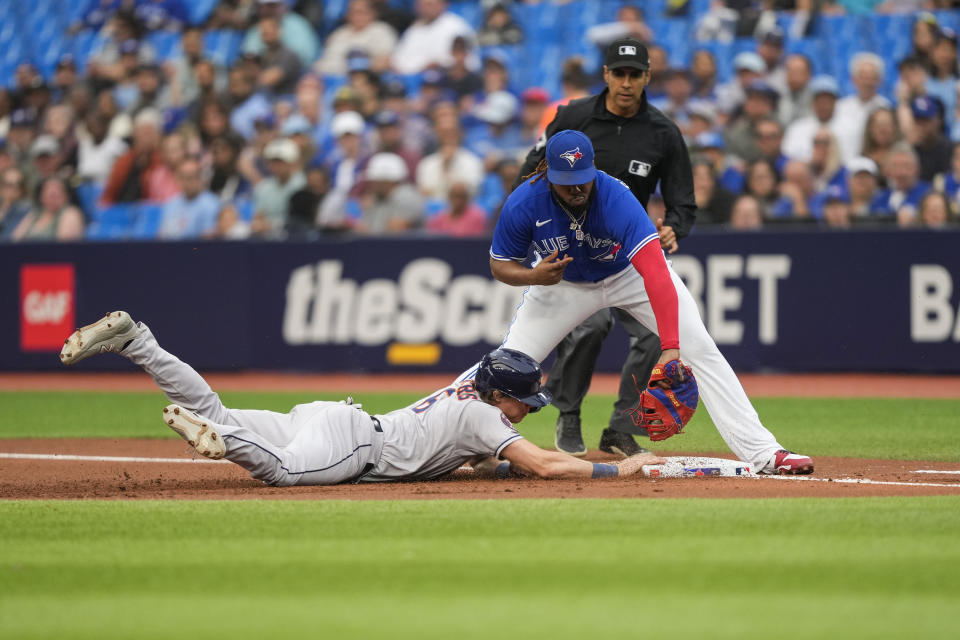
(698, 467)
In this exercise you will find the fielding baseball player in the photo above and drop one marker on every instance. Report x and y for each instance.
(595, 247)
(332, 442)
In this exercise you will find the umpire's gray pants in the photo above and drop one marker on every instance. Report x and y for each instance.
(577, 353)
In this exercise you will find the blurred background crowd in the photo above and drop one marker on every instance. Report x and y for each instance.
(232, 119)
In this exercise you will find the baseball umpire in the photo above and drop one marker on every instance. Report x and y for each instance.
(638, 144)
(470, 421)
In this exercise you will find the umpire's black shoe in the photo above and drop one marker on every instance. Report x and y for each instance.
(569, 439)
(620, 443)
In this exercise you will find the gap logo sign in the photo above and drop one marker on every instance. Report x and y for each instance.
(47, 293)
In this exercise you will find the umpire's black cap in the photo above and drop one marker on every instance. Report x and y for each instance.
(627, 52)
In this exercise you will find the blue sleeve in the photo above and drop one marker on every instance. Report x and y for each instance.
(512, 235)
(630, 223)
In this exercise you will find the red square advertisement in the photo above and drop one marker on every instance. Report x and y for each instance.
(47, 306)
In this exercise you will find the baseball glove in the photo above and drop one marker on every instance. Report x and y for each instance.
(669, 401)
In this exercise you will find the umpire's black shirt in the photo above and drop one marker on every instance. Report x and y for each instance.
(639, 151)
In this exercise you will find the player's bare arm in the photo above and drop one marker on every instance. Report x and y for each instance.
(548, 271)
(668, 237)
(527, 458)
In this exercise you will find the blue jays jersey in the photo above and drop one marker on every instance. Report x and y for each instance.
(615, 228)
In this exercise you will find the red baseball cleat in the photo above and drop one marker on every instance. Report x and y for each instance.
(788, 463)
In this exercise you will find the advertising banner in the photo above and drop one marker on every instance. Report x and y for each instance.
(790, 301)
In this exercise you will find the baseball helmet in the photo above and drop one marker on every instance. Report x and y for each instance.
(512, 373)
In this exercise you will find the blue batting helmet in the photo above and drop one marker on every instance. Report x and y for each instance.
(513, 373)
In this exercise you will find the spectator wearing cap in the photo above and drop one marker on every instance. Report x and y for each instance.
(344, 165)
(304, 209)
(462, 217)
(862, 187)
(150, 90)
(935, 211)
(389, 137)
(132, 176)
(499, 28)
(461, 79)
(769, 141)
(770, 49)
(296, 33)
(389, 203)
(498, 134)
(922, 125)
(866, 72)
(912, 80)
(728, 169)
(533, 104)
(836, 213)
(798, 137)
(298, 128)
(945, 73)
(427, 42)
(741, 134)
(271, 196)
(797, 95)
(449, 164)
(416, 129)
(713, 201)
(702, 117)
(675, 103)
(748, 67)
(192, 213)
(905, 189)
(53, 216)
(14, 204)
(20, 136)
(281, 66)
(45, 160)
(226, 180)
(363, 31)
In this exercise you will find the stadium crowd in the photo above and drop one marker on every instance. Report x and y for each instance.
(405, 116)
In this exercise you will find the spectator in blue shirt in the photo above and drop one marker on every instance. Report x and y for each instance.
(905, 188)
(193, 212)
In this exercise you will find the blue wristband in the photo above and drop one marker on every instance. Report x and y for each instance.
(601, 470)
(502, 470)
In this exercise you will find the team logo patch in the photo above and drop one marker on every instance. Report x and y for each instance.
(628, 50)
(638, 168)
(571, 156)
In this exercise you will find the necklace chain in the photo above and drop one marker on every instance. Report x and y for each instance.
(575, 223)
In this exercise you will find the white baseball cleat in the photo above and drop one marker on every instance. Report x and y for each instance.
(196, 430)
(111, 333)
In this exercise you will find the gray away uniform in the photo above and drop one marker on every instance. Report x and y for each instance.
(331, 442)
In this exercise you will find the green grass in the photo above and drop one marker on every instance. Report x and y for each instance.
(889, 428)
(852, 568)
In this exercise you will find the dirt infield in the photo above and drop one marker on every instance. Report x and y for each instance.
(134, 479)
(201, 479)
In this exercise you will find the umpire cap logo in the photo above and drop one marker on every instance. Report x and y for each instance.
(638, 168)
(628, 50)
(571, 156)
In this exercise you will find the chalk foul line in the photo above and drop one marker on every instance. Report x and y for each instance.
(889, 483)
(57, 456)
(937, 472)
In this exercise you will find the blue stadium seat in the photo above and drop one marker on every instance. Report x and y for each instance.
(88, 193)
(112, 223)
(200, 10)
(147, 219)
(469, 11)
(164, 43)
(223, 47)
